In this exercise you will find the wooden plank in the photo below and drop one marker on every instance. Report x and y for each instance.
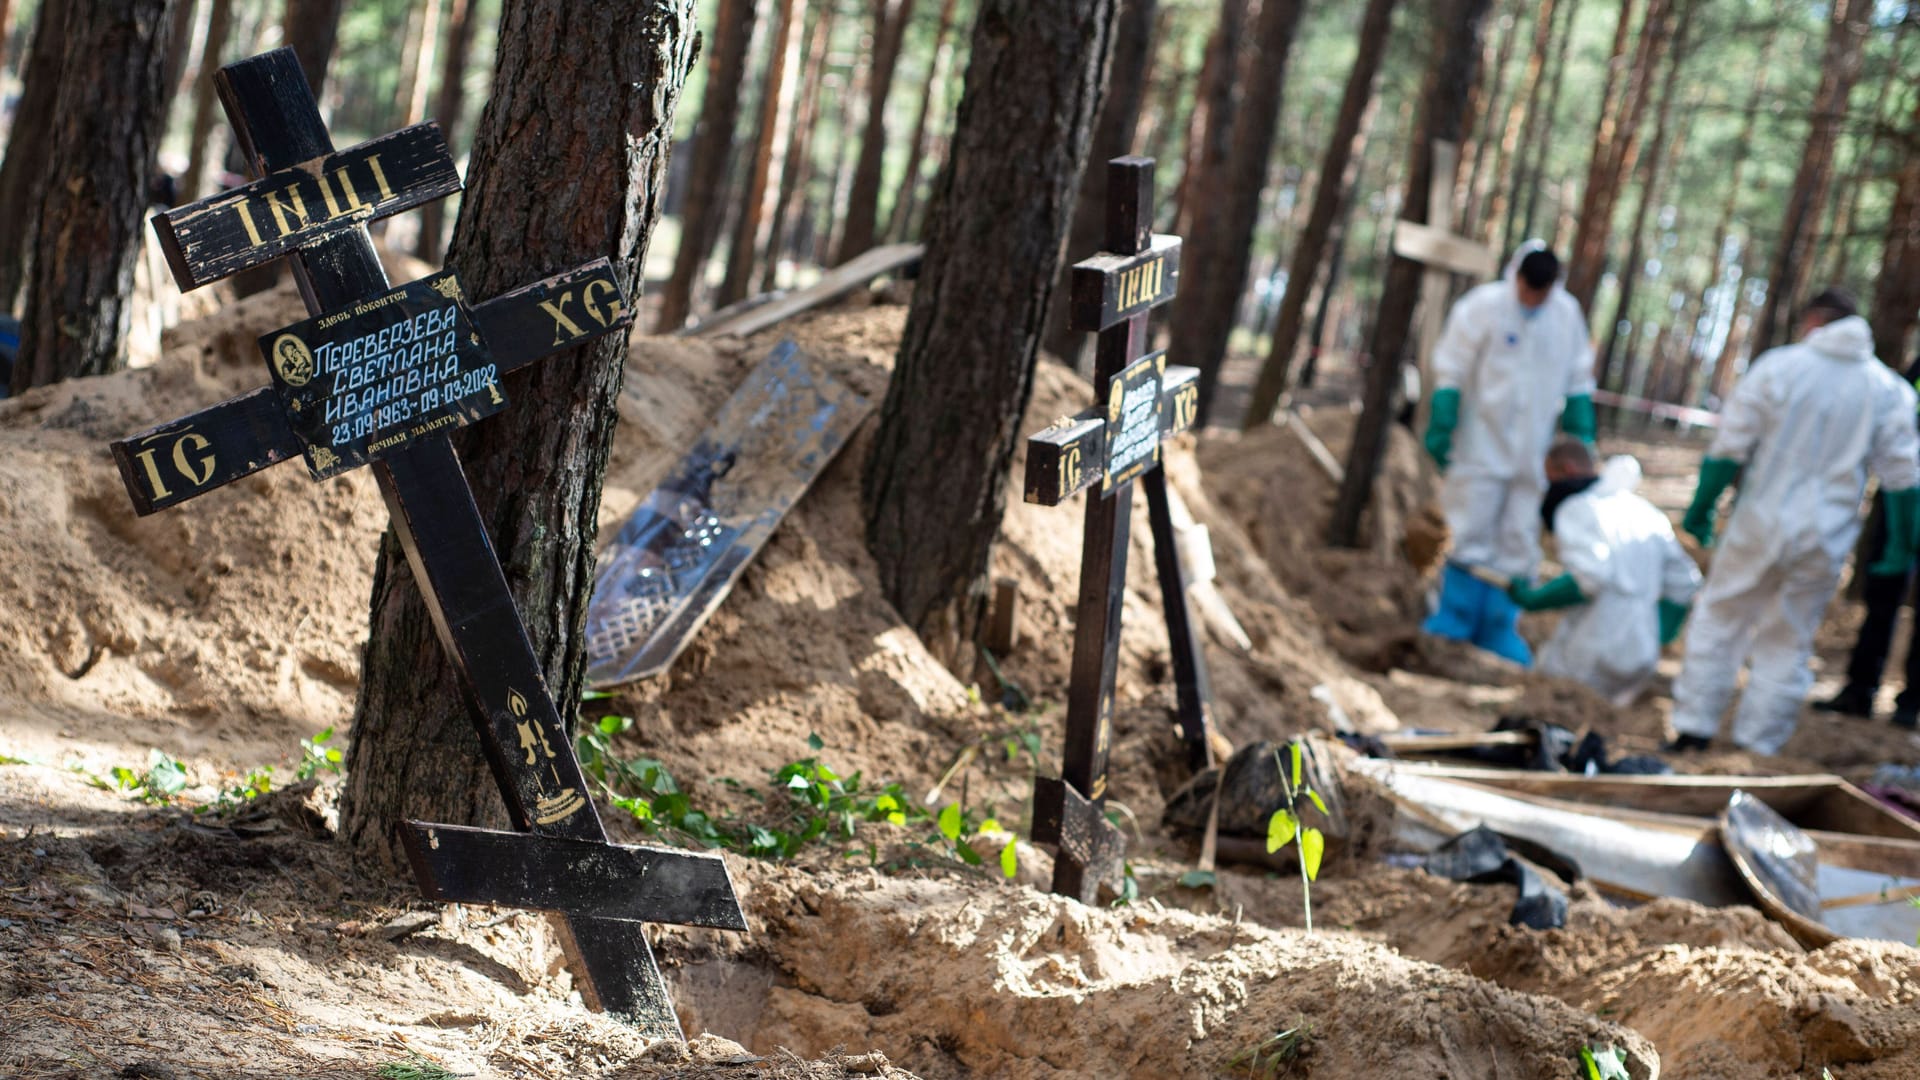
(167, 465)
(834, 284)
(465, 865)
(1114, 286)
(293, 207)
(1193, 692)
(1437, 248)
(1404, 742)
(1070, 457)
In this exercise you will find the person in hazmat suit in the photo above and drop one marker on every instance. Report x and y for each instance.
(1512, 358)
(1626, 582)
(1800, 432)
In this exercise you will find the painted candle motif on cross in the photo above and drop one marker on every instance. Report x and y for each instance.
(1143, 403)
(401, 369)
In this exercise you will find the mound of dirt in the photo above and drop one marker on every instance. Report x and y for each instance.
(1007, 982)
(1369, 602)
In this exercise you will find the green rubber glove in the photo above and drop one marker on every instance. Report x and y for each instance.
(1561, 592)
(1578, 420)
(1444, 417)
(1903, 530)
(1716, 474)
(1672, 617)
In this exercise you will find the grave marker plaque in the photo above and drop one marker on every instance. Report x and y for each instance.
(1143, 401)
(363, 382)
(311, 205)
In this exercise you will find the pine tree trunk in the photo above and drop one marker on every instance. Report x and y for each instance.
(842, 181)
(179, 44)
(107, 129)
(1616, 149)
(312, 28)
(1210, 124)
(1540, 133)
(797, 170)
(1457, 30)
(1112, 138)
(1743, 145)
(890, 19)
(23, 174)
(416, 61)
(1896, 293)
(704, 207)
(1483, 140)
(1339, 168)
(1516, 138)
(999, 218)
(602, 81)
(200, 141)
(769, 135)
(462, 19)
(1839, 67)
(1649, 197)
(1227, 210)
(903, 202)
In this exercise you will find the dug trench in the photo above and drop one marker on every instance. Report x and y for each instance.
(144, 940)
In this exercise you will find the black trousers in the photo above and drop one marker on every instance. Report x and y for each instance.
(1884, 596)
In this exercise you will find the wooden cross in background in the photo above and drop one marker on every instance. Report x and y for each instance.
(1143, 402)
(1440, 250)
(311, 205)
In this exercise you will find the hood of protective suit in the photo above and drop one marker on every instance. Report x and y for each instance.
(1843, 339)
(1620, 473)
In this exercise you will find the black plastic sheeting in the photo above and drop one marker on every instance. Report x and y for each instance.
(1480, 856)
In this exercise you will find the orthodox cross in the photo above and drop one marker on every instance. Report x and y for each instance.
(382, 376)
(1112, 445)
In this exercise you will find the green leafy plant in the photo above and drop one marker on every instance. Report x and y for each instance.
(317, 757)
(1276, 1054)
(1285, 826)
(255, 784)
(164, 778)
(1604, 1063)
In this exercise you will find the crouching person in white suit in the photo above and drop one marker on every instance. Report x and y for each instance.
(1627, 581)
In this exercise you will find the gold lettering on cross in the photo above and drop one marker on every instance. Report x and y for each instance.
(564, 328)
(281, 211)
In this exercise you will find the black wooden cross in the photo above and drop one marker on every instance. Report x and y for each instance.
(349, 387)
(1145, 402)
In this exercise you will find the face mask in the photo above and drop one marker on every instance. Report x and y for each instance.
(1531, 313)
(1560, 491)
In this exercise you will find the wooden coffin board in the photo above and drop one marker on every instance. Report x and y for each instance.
(1811, 801)
(680, 552)
(755, 314)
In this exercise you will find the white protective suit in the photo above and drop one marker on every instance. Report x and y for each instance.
(1621, 550)
(1808, 422)
(1514, 373)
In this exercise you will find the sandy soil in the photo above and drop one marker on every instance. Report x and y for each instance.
(160, 941)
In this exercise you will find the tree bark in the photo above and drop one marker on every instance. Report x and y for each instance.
(1743, 146)
(842, 183)
(1516, 139)
(903, 202)
(23, 175)
(107, 129)
(890, 19)
(1112, 138)
(1227, 210)
(416, 62)
(1649, 195)
(1616, 149)
(998, 220)
(1896, 293)
(568, 163)
(312, 28)
(1482, 145)
(179, 45)
(1444, 98)
(797, 168)
(769, 136)
(200, 141)
(1210, 124)
(462, 19)
(1540, 133)
(1338, 171)
(1839, 67)
(700, 214)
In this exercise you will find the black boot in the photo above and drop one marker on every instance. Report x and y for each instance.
(1684, 743)
(1850, 701)
(1906, 717)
